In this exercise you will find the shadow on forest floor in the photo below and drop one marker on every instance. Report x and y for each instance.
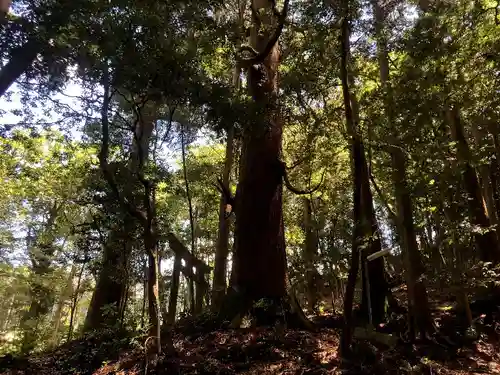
(268, 351)
(277, 350)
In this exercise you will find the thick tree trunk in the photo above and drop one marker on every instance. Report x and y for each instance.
(486, 238)
(21, 60)
(112, 282)
(260, 243)
(4, 9)
(417, 293)
(110, 287)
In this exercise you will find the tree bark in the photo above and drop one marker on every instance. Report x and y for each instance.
(110, 287)
(153, 286)
(222, 250)
(21, 60)
(66, 293)
(41, 250)
(486, 238)
(359, 223)
(260, 244)
(365, 225)
(191, 217)
(74, 302)
(309, 255)
(486, 180)
(174, 291)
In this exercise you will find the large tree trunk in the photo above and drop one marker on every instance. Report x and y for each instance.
(486, 238)
(110, 287)
(21, 60)
(260, 243)
(417, 293)
(112, 282)
(4, 10)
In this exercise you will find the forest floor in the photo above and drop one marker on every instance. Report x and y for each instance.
(278, 350)
(271, 351)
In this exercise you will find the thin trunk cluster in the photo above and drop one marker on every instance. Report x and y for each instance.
(485, 236)
(417, 294)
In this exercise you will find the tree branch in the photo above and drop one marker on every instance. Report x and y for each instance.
(259, 57)
(295, 190)
(229, 200)
(104, 153)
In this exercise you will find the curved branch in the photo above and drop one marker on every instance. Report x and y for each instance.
(260, 56)
(229, 200)
(298, 191)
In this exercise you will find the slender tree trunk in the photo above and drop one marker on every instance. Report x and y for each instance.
(365, 228)
(222, 250)
(153, 287)
(486, 180)
(191, 216)
(376, 269)
(309, 254)
(41, 249)
(486, 239)
(417, 293)
(359, 222)
(74, 302)
(145, 291)
(66, 293)
(174, 291)
(112, 281)
(5, 318)
(495, 168)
